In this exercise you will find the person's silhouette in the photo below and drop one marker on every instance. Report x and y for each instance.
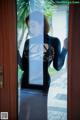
(36, 21)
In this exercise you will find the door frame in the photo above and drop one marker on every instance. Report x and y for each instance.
(73, 111)
(10, 61)
(8, 94)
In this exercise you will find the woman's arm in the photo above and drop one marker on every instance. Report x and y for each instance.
(59, 56)
(23, 61)
(19, 59)
(25, 56)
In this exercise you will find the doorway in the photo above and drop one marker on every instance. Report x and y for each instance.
(59, 12)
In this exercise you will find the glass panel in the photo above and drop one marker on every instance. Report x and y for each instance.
(57, 95)
(36, 25)
(39, 37)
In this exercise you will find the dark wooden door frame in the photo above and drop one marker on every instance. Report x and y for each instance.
(74, 63)
(8, 95)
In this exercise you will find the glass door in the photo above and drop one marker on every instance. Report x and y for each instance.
(30, 38)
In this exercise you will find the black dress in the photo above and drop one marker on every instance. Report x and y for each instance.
(57, 57)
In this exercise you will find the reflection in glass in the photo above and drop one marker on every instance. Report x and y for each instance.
(57, 95)
(36, 48)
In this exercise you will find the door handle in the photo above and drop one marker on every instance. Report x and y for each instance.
(1, 76)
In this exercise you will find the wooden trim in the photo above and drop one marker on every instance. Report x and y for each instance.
(8, 94)
(73, 63)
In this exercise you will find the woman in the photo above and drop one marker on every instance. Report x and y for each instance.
(51, 49)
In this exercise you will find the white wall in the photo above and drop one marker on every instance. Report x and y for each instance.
(60, 22)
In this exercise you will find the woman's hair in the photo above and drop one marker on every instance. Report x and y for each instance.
(37, 16)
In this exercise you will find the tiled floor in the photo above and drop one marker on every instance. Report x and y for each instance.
(57, 97)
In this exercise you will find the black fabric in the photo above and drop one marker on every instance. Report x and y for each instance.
(58, 59)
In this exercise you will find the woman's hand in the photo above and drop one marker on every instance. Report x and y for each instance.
(53, 52)
(65, 43)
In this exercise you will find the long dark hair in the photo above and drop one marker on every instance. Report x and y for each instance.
(35, 15)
